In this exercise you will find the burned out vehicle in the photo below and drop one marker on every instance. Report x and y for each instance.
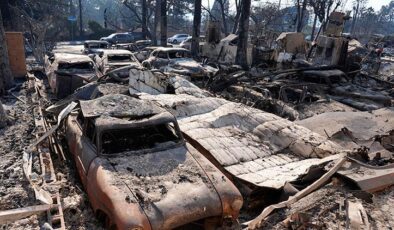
(136, 46)
(67, 72)
(95, 46)
(144, 53)
(177, 60)
(138, 171)
(108, 60)
(119, 38)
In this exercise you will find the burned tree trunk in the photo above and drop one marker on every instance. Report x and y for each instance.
(238, 5)
(196, 28)
(155, 36)
(301, 17)
(80, 20)
(241, 57)
(314, 27)
(6, 78)
(144, 24)
(223, 14)
(7, 18)
(355, 15)
(163, 23)
(3, 117)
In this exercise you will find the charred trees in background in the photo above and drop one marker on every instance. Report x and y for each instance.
(355, 15)
(6, 78)
(144, 15)
(300, 15)
(5, 9)
(238, 6)
(196, 28)
(80, 20)
(241, 57)
(163, 23)
(156, 23)
(223, 15)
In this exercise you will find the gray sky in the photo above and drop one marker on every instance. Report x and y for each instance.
(376, 4)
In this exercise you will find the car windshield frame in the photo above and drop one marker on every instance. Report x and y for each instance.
(188, 54)
(90, 70)
(162, 146)
(132, 59)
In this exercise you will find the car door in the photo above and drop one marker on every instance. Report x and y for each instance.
(85, 150)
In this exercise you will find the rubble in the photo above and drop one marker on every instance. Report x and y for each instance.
(304, 139)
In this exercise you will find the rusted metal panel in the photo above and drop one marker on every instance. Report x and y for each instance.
(16, 53)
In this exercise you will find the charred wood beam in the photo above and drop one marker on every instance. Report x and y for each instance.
(226, 83)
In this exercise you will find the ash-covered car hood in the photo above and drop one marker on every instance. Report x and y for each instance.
(121, 64)
(188, 66)
(170, 186)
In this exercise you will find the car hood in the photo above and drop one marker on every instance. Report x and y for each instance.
(185, 63)
(189, 66)
(121, 64)
(170, 186)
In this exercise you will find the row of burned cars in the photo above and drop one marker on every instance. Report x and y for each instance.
(132, 158)
(69, 66)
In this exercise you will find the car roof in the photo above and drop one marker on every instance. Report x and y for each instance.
(166, 49)
(71, 58)
(116, 51)
(95, 42)
(118, 111)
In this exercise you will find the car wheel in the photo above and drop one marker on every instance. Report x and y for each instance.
(175, 41)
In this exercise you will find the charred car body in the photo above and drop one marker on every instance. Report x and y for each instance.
(144, 53)
(108, 60)
(95, 46)
(134, 164)
(177, 60)
(67, 72)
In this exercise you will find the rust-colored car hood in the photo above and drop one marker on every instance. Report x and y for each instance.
(169, 185)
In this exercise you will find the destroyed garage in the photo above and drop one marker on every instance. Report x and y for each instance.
(221, 114)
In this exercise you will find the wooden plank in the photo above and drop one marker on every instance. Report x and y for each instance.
(13, 215)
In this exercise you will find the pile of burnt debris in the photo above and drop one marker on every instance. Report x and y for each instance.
(302, 140)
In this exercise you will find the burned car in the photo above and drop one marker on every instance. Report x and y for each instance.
(144, 53)
(177, 60)
(136, 46)
(94, 46)
(138, 171)
(108, 60)
(67, 72)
